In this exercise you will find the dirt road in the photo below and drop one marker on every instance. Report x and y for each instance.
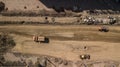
(67, 42)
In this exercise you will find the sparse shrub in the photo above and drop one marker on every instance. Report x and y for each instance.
(8, 63)
(6, 9)
(2, 6)
(37, 6)
(53, 19)
(46, 20)
(37, 64)
(6, 43)
(2, 60)
(30, 63)
(25, 7)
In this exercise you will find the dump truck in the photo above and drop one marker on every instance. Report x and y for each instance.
(41, 39)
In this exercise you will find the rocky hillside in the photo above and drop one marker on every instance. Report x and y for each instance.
(44, 4)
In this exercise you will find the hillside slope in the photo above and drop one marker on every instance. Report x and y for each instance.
(36, 5)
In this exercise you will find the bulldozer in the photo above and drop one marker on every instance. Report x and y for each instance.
(41, 39)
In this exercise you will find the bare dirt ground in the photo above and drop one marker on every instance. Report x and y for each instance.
(20, 4)
(67, 41)
(37, 19)
(42, 19)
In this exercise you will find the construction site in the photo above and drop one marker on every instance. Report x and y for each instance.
(61, 33)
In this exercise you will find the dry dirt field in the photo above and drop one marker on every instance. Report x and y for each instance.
(37, 19)
(67, 41)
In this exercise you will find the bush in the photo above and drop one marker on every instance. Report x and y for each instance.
(2, 6)
(6, 43)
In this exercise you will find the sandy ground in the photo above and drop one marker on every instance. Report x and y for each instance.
(42, 19)
(71, 50)
(64, 43)
(20, 4)
(38, 19)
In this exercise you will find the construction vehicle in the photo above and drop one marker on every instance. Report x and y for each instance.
(103, 29)
(41, 39)
(85, 56)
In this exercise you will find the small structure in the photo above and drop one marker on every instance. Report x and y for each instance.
(40, 39)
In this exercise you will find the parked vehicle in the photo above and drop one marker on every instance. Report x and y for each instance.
(103, 29)
(85, 56)
(40, 39)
